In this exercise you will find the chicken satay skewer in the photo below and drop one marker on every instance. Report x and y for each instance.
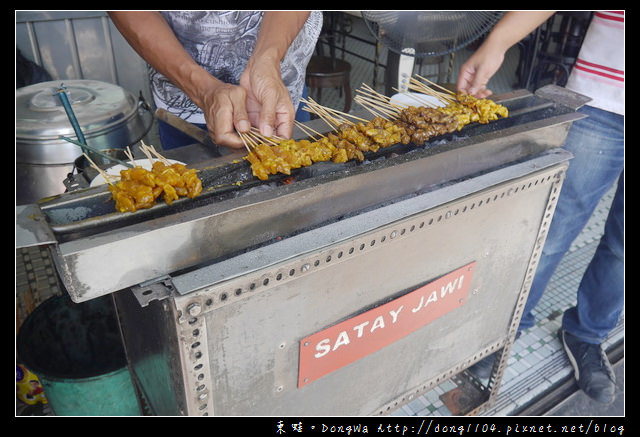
(258, 169)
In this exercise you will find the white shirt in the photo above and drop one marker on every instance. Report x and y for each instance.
(599, 70)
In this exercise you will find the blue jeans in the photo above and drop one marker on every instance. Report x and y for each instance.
(597, 143)
(171, 138)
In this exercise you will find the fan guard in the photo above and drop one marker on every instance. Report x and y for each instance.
(429, 33)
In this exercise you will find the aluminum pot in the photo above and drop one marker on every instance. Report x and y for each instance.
(109, 116)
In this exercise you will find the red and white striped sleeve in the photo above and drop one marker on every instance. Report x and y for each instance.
(599, 69)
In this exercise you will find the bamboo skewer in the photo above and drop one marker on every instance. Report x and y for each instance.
(96, 151)
(102, 173)
(446, 90)
(306, 130)
(446, 97)
(418, 99)
(377, 104)
(377, 108)
(323, 113)
(129, 155)
(244, 141)
(153, 152)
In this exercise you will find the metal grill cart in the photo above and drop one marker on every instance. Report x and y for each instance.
(348, 291)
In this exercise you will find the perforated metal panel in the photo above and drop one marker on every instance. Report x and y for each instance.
(239, 339)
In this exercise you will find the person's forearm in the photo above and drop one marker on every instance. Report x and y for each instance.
(277, 31)
(514, 26)
(152, 38)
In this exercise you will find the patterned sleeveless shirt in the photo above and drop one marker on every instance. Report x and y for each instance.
(222, 43)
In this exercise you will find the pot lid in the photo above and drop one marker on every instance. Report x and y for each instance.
(98, 106)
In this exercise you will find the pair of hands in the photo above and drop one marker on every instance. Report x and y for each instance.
(260, 100)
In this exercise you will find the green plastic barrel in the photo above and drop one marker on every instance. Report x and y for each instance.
(76, 350)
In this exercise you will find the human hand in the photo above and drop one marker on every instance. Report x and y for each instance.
(475, 74)
(261, 99)
(269, 103)
(225, 111)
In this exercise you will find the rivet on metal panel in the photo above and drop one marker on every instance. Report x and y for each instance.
(194, 309)
(393, 234)
(305, 267)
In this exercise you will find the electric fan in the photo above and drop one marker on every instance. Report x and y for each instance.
(419, 34)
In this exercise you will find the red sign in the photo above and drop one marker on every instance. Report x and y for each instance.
(359, 336)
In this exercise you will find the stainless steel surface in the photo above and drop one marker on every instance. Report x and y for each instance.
(238, 338)
(315, 239)
(214, 229)
(72, 45)
(200, 135)
(108, 116)
(226, 287)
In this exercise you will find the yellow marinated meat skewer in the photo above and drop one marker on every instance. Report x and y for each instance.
(391, 125)
(139, 188)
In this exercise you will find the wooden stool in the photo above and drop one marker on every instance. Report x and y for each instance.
(327, 72)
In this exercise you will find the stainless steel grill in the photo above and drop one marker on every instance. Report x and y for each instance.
(219, 297)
